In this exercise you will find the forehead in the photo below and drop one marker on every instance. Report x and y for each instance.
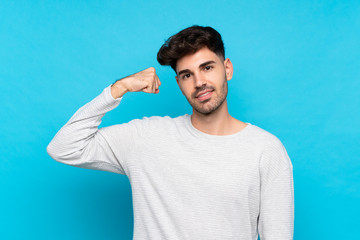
(193, 61)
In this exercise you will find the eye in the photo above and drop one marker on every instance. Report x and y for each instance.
(187, 75)
(207, 68)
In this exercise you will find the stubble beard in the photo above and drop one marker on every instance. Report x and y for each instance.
(210, 105)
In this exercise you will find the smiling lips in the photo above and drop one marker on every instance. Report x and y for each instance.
(204, 95)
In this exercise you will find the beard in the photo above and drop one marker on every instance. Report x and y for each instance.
(213, 103)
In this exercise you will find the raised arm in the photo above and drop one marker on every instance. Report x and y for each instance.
(82, 144)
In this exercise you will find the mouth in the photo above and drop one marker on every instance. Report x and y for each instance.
(204, 96)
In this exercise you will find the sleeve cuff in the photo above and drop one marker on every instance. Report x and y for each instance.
(108, 95)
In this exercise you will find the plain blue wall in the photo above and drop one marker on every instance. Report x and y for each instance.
(297, 73)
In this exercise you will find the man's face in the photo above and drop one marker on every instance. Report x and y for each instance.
(204, 72)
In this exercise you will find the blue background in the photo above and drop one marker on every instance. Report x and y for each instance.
(296, 75)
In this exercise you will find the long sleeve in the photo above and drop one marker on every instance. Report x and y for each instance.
(276, 218)
(82, 144)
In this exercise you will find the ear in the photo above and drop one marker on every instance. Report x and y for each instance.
(177, 80)
(228, 69)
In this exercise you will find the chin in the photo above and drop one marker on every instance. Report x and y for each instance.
(205, 109)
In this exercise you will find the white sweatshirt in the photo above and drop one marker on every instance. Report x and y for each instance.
(186, 184)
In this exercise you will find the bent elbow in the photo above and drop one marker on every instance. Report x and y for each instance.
(61, 154)
(51, 151)
(55, 153)
(73, 156)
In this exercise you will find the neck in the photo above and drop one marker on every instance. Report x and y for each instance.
(219, 122)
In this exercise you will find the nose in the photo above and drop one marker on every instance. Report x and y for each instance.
(199, 80)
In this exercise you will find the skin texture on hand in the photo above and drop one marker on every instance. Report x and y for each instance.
(118, 90)
(145, 81)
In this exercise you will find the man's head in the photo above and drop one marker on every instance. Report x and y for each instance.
(197, 56)
(189, 41)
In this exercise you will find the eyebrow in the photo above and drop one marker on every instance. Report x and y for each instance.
(200, 66)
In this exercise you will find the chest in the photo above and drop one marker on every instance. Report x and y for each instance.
(211, 170)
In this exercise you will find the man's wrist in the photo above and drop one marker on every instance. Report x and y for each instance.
(118, 90)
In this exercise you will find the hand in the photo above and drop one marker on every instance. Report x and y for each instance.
(145, 81)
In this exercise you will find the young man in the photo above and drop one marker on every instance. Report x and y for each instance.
(200, 176)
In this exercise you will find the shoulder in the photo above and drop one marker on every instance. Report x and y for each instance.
(158, 120)
(157, 123)
(264, 138)
(271, 148)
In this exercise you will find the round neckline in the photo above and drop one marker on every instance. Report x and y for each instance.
(204, 135)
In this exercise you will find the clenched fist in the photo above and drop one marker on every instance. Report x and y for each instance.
(145, 81)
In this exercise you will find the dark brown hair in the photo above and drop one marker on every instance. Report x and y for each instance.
(189, 41)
